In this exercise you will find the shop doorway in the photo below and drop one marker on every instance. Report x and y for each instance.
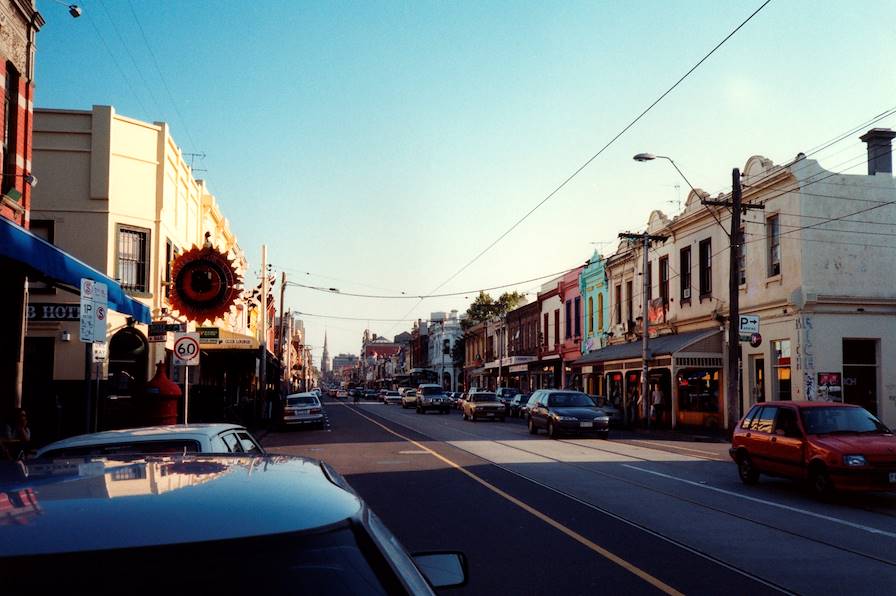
(38, 397)
(860, 373)
(659, 383)
(757, 379)
(128, 360)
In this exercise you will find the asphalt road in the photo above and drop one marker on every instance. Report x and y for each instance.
(582, 516)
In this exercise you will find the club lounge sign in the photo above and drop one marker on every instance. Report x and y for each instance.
(54, 311)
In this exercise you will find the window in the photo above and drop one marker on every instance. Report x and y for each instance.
(684, 264)
(600, 313)
(10, 130)
(556, 326)
(630, 304)
(749, 417)
(132, 262)
(649, 282)
(741, 258)
(618, 304)
(568, 329)
(781, 369)
(577, 307)
(590, 315)
(45, 229)
(698, 390)
(765, 420)
(171, 253)
(705, 268)
(545, 336)
(664, 279)
(773, 237)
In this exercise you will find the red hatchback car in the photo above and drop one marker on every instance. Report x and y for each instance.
(833, 446)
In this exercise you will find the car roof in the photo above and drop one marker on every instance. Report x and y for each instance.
(81, 504)
(302, 394)
(146, 433)
(808, 404)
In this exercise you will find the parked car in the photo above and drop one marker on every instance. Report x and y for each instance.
(266, 524)
(303, 408)
(409, 398)
(342, 394)
(505, 395)
(431, 397)
(392, 397)
(526, 407)
(832, 445)
(517, 403)
(332, 391)
(483, 405)
(174, 438)
(371, 394)
(566, 412)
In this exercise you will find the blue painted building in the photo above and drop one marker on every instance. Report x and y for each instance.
(595, 315)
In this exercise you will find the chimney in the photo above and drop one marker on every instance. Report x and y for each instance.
(880, 152)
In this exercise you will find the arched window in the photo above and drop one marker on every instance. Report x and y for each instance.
(600, 313)
(590, 314)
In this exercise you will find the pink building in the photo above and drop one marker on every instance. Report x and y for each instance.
(570, 326)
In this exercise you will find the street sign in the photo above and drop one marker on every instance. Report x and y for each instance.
(176, 327)
(209, 335)
(186, 349)
(86, 311)
(755, 340)
(157, 332)
(99, 352)
(749, 324)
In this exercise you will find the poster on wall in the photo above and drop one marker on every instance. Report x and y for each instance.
(830, 386)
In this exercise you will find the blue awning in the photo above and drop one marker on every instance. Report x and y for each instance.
(60, 268)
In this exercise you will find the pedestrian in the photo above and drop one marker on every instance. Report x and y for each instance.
(656, 405)
(16, 433)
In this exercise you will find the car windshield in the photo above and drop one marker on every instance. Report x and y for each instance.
(301, 400)
(569, 400)
(392, 394)
(483, 397)
(431, 391)
(818, 421)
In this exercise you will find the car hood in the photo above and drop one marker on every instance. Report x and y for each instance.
(81, 504)
(583, 412)
(859, 444)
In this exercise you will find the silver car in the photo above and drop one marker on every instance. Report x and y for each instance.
(303, 408)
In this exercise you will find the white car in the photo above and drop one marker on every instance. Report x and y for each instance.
(391, 397)
(303, 408)
(174, 438)
(409, 398)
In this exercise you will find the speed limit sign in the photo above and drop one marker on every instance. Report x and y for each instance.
(186, 349)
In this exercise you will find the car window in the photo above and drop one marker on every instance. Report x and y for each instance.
(569, 400)
(484, 397)
(749, 417)
(764, 421)
(786, 421)
(841, 420)
(307, 400)
(169, 446)
(431, 391)
(232, 443)
(248, 443)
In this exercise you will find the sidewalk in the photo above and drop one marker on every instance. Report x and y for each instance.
(694, 436)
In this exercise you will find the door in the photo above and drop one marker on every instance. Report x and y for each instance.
(860, 373)
(38, 398)
(757, 439)
(539, 413)
(757, 379)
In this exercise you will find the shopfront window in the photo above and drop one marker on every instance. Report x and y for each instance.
(614, 388)
(698, 390)
(781, 368)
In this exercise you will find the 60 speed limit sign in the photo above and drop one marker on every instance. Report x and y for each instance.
(186, 349)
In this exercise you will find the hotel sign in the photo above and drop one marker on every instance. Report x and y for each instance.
(54, 311)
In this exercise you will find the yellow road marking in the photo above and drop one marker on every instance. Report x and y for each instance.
(634, 570)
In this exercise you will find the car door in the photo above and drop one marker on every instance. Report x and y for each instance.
(539, 413)
(757, 440)
(787, 445)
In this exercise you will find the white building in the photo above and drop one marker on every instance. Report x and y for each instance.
(444, 332)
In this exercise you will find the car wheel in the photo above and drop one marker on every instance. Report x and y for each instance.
(552, 431)
(820, 481)
(532, 429)
(605, 435)
(748, 474)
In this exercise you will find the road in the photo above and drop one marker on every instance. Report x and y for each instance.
(579, 516)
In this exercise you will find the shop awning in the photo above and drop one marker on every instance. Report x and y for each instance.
(657, 346)
(60, 268)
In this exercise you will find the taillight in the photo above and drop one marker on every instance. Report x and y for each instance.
(315, 410)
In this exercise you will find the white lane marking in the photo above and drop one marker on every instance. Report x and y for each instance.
(806, 512)
(413, 452)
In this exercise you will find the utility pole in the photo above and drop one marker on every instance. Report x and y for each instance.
(282, 331)
(646, 239)
(736, 245)
(263, 315)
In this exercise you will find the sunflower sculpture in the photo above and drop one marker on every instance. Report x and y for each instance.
(204, 284)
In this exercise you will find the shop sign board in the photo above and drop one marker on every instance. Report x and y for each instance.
(158, 331)
(209, 335)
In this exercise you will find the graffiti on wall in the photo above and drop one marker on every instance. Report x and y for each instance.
(805, 357)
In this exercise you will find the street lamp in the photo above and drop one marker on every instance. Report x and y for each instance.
(651, 157)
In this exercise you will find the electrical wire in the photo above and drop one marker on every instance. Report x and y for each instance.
(117, 64)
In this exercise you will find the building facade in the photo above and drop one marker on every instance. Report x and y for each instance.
(595, 316)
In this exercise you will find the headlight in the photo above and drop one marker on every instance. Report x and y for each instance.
(854, 460)
(602, 419)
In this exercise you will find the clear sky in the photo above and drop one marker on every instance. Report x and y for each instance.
(378, 146)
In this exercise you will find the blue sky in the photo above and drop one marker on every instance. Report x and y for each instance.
(381, 145)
